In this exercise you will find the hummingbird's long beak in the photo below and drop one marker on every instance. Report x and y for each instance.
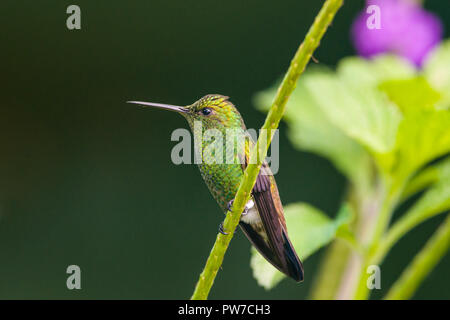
(161, 106)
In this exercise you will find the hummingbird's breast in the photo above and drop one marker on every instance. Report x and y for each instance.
(221, 167)
(222, 180)
(220, 162)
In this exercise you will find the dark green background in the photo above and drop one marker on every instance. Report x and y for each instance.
(86, 179)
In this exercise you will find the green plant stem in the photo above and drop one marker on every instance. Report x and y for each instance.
(381, 223)
(427, 177)
(258, 154)
(332, 267)
(382, 243)
(420, 182)
(367, 208)
(387, 208)
(408, 221)
(422, 264)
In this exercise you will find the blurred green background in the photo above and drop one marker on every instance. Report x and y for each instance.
(87, 179)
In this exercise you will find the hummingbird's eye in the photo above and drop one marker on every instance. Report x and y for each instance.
(206, 111)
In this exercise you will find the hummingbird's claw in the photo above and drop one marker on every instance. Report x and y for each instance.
(247, 207)
(221, 229)
(230, 205)
(250, 204)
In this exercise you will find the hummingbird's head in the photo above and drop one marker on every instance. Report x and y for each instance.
(213, 110)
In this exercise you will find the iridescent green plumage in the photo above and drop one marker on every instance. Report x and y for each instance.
(222, 151)
(222, 178)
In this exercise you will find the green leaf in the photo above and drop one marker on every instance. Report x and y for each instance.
(423, 136)
(309, 230)
(361, 111)
(411, 95)
(380, 107)
(357, 71)
(437, 71)
(351, 101)
(310, 130)
(423, 133)
(334, 114)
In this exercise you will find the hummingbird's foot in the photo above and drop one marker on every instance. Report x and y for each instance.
(221, 229)
(230, 205)
(250, 204)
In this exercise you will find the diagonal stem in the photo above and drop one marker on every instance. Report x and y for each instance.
(296, 68)
(423, 263)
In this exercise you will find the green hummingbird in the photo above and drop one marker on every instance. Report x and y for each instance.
(263, 219)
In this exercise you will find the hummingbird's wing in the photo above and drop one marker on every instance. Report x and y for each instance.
(269, 235)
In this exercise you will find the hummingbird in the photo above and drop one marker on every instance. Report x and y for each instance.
(262, 220)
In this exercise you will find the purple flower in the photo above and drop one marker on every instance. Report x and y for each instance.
(405, 28)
